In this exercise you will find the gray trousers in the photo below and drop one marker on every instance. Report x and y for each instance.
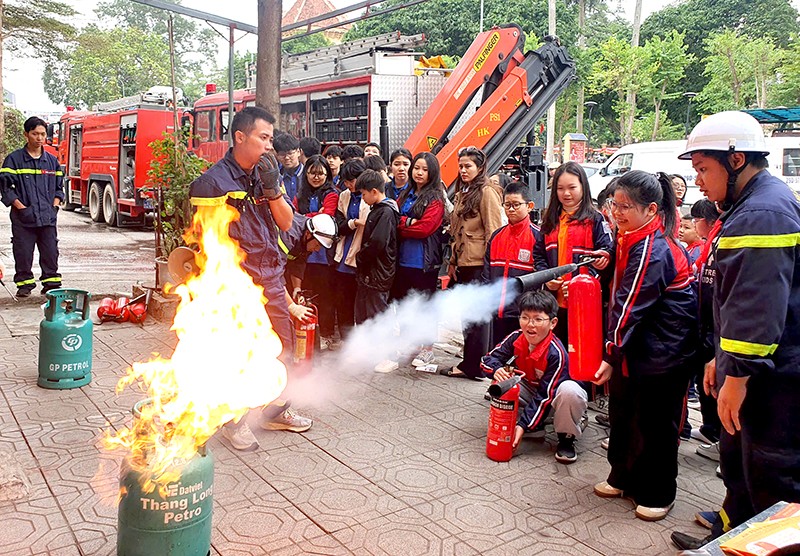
(568, 406)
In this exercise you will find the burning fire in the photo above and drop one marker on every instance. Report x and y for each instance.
(225, 363)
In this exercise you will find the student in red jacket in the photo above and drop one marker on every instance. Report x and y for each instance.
(420, 238)
(316, 195)
(572, 229)
(650, 344)
(509, 253)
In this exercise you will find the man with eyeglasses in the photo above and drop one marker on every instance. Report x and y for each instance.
(536, 353)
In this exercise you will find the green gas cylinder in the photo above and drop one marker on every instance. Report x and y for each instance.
(172, 522)
(65, 340)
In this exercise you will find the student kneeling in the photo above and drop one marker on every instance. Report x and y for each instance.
(541, 357)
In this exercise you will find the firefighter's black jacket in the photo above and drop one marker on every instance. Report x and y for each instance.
(36, 183)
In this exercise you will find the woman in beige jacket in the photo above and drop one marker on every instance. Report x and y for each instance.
(477, 213)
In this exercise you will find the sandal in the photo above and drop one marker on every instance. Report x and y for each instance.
(453, 372)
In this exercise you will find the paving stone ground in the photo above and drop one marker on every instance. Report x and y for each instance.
(394, 465)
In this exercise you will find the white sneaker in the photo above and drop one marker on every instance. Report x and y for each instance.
(709, 451)
(425, 357)
(605, 490)
(287, 421)
(697, 435)
(240, 436)
(652, 514)
(386, 366)
(326, 343)
(604, 443)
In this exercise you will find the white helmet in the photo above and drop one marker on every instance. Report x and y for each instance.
(323, 228)
(731, 131)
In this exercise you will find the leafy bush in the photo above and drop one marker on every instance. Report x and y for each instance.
(172, 170)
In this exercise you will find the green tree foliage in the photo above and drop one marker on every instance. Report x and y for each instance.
(12, 131)
(647, 128)
(740, 71)
(108, 64)
(451, 25)
(304, 44)
(665, 62)
(787, 86)
(40, 27)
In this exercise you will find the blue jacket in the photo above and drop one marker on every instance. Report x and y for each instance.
(756, 260)
(256, 231)
(36, 183)
(652, 325)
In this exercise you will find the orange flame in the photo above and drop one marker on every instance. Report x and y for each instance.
(225, 363)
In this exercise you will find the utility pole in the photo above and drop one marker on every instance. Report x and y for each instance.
(268, 58)
(551, 112)
(581, 47)
(2, 90)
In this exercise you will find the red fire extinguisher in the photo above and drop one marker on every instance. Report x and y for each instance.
(585, 325)
(305, 333)
(503, 418)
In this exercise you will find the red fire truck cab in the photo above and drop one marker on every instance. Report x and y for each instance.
(106, 155)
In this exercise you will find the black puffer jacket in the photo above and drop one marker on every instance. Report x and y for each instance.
(376, 262)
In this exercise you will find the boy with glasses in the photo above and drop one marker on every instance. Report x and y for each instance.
(509, 254)
(546, 387)
(287, 151)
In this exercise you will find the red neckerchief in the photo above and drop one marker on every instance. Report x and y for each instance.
(626, 241)
(701, 260)
(530, 361)
(580, 233)
(517, 237)
(694, 244)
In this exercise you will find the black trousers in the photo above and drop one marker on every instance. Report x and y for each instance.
(369, 303)
(23, 241)
(410, 280)
(345, 288)
(645, 414)
(317, 279)
(502, 327)
(476, 336)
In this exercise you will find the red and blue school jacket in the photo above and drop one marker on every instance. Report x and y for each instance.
(653, 307)
(509, 253)
(583, 237)
(545, 368)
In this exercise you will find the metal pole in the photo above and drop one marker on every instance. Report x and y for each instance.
(383, 128)
(551, 112)
(230, 85)
(481, 25)
(172, 72)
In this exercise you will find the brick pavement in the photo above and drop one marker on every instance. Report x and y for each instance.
(394, 465)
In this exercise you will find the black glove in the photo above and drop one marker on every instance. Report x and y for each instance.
(269, 173)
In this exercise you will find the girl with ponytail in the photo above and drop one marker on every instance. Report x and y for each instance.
(650, 342)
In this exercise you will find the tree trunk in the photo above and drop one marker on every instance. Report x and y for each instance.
(656, 120)
(631, 97)
(268, 65)
(551, 112)
(2, 92)
(581, 46)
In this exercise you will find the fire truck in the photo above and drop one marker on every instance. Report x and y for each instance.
(336, 94)
(105, 155)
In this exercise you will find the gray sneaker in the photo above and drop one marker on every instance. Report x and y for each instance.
(240, 436)
(710, 451)
(425, 357)
(287, 421)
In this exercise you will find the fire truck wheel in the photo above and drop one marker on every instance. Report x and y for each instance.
(110, 205)
(96, 202)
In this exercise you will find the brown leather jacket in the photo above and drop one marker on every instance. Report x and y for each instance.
(470, 235)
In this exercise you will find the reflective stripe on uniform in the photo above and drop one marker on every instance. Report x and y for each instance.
(25, 283)
(54, 279)
(759, 242)
(217, 201)
(747, 348)
(30, 171)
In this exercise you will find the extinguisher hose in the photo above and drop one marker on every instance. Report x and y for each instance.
(499, 388)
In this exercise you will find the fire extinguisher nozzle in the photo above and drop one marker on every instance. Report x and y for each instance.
(499, 388)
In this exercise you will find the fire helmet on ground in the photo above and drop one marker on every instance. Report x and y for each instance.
(730, 131)
(323, 228)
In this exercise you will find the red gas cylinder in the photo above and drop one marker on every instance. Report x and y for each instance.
(502, 419)
(138, 312)
(585, 324)
(122, 309)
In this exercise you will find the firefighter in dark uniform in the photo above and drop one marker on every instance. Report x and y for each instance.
(248, 179)
(32, 184)
(755, 261)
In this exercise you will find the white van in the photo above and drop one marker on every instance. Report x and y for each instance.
(662, 156)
